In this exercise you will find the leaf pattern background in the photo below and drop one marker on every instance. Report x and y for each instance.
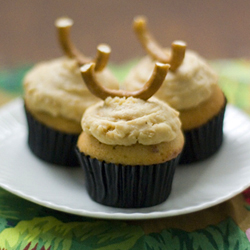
(234, 79)
(49, 232)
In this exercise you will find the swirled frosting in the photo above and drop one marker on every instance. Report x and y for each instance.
(56, 87)
(127, 121)
(187, 87)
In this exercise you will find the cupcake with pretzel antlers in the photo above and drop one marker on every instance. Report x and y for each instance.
(56, 97)
(190, 87)
(130, 145)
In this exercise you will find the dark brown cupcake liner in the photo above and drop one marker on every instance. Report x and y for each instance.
(127, 186)
(205, 141)
(51, 145)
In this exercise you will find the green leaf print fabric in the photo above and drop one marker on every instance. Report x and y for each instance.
(48, 232)
(225, 235)
(27, 226)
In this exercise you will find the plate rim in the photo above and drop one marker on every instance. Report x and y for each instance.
(15, 104)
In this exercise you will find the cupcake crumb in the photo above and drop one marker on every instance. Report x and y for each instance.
(154, 149)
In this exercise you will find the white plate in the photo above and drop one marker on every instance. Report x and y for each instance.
(195, 187)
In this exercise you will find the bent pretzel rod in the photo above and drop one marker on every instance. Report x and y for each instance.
(63, 26)
(148, 90)
(178, 48)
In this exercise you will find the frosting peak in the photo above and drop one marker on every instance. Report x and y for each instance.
(56, 87)
(127, 121)
(187, 87)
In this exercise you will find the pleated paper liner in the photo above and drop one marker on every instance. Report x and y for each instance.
(205, 141)
(50, 145)
(127, 186)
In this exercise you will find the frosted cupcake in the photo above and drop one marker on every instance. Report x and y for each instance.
(130, 145)
(190, 87)
(55, 98)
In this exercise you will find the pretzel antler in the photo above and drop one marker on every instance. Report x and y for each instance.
(178, 48)
(151, 86)
(102, 57)
(63, 26)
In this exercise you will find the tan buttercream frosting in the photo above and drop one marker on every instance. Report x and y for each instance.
(56, 87)
(127, 121)
(187, 87)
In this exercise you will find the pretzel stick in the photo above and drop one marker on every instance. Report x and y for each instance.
(64, 25)
(154, 49)
(147, 41)
(151, 86)
(177, 54)
(102, 57)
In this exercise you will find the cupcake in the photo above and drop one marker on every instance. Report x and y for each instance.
(55, 98)
(191, 87)
(129, 146)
